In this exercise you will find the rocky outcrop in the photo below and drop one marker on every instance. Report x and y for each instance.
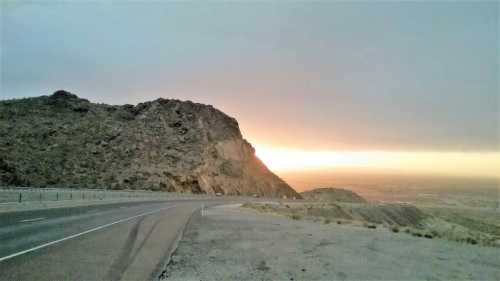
(171, 145)
(332, 195)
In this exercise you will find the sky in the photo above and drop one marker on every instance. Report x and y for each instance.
(418, 81)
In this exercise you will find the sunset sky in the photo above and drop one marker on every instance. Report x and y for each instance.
(411, 87)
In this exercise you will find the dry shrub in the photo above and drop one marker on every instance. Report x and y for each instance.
(247, 205)
(370, 225)
(417, 234)
(471, 240)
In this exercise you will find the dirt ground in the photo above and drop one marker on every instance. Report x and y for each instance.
(231, 243)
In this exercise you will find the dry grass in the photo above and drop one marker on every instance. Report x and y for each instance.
(395, 218)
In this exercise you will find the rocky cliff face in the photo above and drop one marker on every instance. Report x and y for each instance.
(64, 141)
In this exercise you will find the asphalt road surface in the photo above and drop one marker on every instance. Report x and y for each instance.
(126, 241)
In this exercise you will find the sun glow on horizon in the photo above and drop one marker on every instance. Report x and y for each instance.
(483, 164)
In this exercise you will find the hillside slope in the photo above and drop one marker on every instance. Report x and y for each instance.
(65, 141)
(332, 195)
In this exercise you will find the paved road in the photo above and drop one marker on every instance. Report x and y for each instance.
(126, 241)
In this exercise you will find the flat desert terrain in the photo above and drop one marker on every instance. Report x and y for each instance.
(234, 243)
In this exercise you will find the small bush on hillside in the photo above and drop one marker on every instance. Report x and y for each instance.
(327, 221)
(246, 205)
(435, 233)
(371, 226)
(395, 229)
(471, 240)
(295, 217)
(417, 234)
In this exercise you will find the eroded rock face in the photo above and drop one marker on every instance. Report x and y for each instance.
(64, 141)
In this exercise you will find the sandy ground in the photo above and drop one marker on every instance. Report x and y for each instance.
(230, 243)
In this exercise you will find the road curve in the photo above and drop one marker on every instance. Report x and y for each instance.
(126, 241)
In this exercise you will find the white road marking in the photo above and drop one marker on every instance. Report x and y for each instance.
(81, 233)
(35, 219)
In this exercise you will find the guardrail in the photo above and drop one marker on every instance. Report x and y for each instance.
(20, 195)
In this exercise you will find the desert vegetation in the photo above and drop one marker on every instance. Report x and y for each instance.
(63, 141)
(396, 218)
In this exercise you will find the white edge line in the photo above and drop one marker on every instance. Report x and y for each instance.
(31, 220)
(80, 234)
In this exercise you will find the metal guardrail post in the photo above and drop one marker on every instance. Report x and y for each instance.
(20, 197)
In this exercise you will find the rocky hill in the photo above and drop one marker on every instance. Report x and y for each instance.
(65, 141)
(332, 195)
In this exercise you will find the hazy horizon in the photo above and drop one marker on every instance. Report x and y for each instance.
(385, 183)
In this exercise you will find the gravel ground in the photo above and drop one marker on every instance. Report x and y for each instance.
(230, 243)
